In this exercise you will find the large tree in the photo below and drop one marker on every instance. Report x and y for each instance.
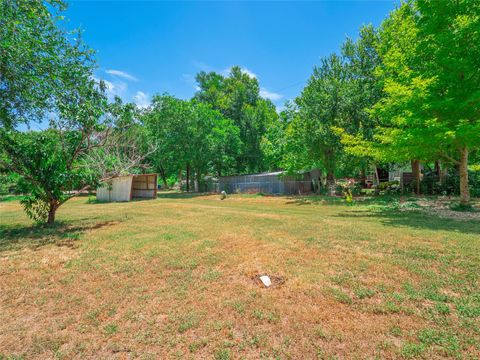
(429, 72)
(449, 55)
(237, 97)
(166, 123)
(39, 60)
(274, 141)
(125, 144)
(361, 91)
(311, 140)
(431, 77)
(190, 135)
(46, 71)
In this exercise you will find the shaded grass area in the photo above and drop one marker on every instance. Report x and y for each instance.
(179, 195)
(412, 219)
(174, 278)
(5, 198)
(36, 236)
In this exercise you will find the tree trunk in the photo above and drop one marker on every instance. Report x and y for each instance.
(51, 212)
(438, 167)
(330, 177)
(180, 177)
(162, 176)
(443, 173)
(363, 177)
(188, 177)
(198, 178)
(330, 168)
(416, 175)
(463, 169)
(330, 182)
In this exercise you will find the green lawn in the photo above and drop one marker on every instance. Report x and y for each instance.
(175, 278)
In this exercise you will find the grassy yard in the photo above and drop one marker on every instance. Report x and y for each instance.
(174, 278)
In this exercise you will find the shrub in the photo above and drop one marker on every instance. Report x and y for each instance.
(461, 207)
(389, 187)
(431, 184)
(347, 189)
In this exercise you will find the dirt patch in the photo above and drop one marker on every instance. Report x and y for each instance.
(276, 280)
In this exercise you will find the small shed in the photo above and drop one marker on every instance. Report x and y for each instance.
(128, 187)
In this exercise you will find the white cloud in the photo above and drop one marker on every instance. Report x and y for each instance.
(116, 88)
(226, 72)
(121, 74)
(249, 73)
(113, 88)
(141, 99)
(270, 95)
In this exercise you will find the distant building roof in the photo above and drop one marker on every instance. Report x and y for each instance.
(271, 173)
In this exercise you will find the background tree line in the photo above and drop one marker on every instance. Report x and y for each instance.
(406, 92)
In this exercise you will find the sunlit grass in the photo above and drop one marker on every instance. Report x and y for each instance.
(173, 278)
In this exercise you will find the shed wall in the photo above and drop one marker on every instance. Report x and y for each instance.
(118, 189)
(144, 186)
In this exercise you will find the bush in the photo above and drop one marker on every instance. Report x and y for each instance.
(171, 181)
(347, 189)
(389, 187)
(451, 185)
(461, 207)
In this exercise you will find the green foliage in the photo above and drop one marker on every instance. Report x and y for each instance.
(49, 165)
(348, 196)
(36, 208)
(237, 97)
(450, 184)
(46, 70)
(9, 183)
(41, 61)
(462, 207)
(412, 350)
(405, 91)
(310, 139)
(333, 107)
(273, 143)
(425, 66)
(389, 187)
(190, 134)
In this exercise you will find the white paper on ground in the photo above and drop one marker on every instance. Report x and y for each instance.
(266, 280)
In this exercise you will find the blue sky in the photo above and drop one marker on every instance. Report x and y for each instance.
(151, 47)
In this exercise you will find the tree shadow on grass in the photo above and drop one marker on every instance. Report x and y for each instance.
(93, 201)
(413, 219)
(181, 195)
(340, 200)
(16, 237)
(314, 200)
